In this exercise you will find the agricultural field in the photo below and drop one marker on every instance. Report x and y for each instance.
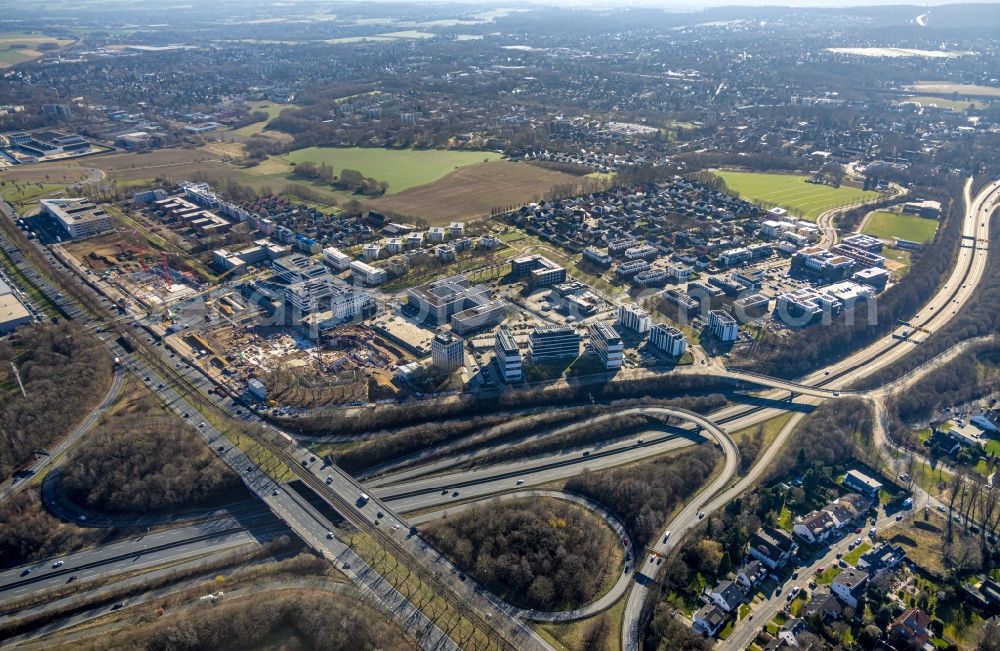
(941, 102)
(473, 191)
(790, 191)
(890, 225)
(947, 88)
(16, 47)
(401, 168)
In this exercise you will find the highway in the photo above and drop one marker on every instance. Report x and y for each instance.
(958, 289)
(136, 553)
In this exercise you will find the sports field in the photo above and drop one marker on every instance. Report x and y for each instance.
(807, 200)
(889, 225)
(401, 168)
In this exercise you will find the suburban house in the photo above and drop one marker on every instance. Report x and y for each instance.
(751, 574)
(862, 482)
(818, 525)
(849, 585)
(823, 604)
(881, 559)
(708, 619)
(726, 595)
(791, 630)
(909, 630)
(772, 547)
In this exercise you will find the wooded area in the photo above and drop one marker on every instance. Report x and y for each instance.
(139, 463)
(65, 373)
(289, 620)
(644, 495)
(535, 553)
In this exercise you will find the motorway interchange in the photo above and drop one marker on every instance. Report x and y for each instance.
(436, 486)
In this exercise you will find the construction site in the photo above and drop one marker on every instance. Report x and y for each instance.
(299, 373)
(145, 277)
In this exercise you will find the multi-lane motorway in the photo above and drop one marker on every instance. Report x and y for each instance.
(416, 493)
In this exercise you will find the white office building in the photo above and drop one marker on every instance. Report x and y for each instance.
(607, 345)
(635, 318)
(447, 352)
(507, 356)
(78, 217)
(336, 258)
(668, 339)
(723, 325)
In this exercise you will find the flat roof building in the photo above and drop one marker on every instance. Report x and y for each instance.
(634, 318)
(553, 343)
(862, 482)
(447, 352)
(367, 274)
(480, 316)
(668, 339)
(507, 356)
(723, 326)
(542, 271)
(607, 345)
(439, 299)
(79, 217)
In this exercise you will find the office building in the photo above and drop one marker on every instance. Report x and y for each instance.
(296, 268)
(447, 352)
(668, 339)
(327, 294)
(607, 345)
(634, 318)
(723, 326)
(367, 274)
(439, 299)
(750, 307)
(78, 217)
(336, 258)
(507, 356)
(480, 316)
(542, 271)
(553, 343)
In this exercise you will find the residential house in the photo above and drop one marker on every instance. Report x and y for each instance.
(708, 619)
(751, 574)
(881, 559)
(790, 631)
(823, 604)
(849, 585)
(772, 547)
(726, 595)
(909, 630)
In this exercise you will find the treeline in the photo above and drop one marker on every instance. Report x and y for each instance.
(978, 318)
(330, 422)
(29, 533)
(960, 380)
(303, 619)
(349, 180)
(392, 443)
(545, 554)
(809, 348)
(644, 495)
(828, 436)
(65, 372)
(139, 463)
(619, 427)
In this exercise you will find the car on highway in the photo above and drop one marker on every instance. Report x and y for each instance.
(519, 482)
(117, 606)
(275, 492)
(26, 571)
(57, 564)
(72, 578)
(329, 535)
(454, 494)
(329, 479)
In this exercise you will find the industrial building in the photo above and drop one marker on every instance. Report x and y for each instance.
(668, 339)
(553, 343)
(607, 345)
(634, 318)
(447, 352)
(13, 313)
(507, 356)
